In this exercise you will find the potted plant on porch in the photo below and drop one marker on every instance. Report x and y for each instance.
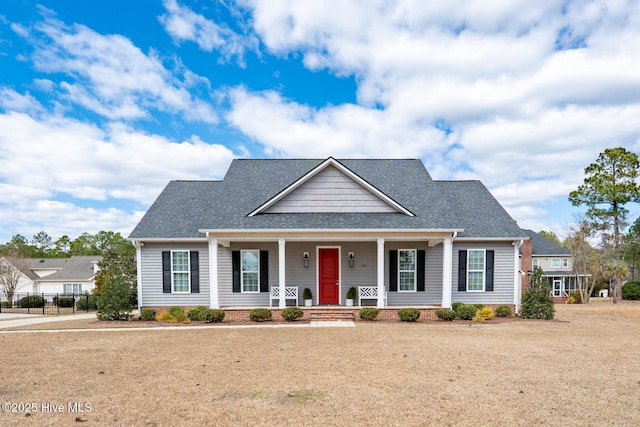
(307, 296)
(351, 296)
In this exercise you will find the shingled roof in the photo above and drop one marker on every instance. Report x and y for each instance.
(74, 268)
(184, 207)
(540, 245)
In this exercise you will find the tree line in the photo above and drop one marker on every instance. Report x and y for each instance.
(42, 245)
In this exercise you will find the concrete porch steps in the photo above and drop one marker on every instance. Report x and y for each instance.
(331, 315)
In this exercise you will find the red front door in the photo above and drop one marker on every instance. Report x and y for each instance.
(328, 276)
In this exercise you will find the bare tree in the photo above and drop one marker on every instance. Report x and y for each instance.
(11, 276)
(586, 259)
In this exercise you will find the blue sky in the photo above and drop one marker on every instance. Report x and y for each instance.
(103, 102)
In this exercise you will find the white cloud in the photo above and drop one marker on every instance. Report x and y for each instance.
(181, 23)
(290, 129)
(110, 75)
(50, 164)
(526, 111)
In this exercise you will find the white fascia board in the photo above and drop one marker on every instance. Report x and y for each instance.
(169, 240)
(330, 234)
(490, 239)
(331, 162)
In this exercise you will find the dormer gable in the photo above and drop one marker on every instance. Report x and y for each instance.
(330, 187)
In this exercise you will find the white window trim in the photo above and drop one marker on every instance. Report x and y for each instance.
(73, 285)
(535, 263)
(565, 262)
(242, 271)
(415, 270)
(484, 270)
(553, 261)
(173, 285)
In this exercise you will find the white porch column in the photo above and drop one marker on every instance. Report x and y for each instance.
(517, 277)
(213, 273)
(282, 302)
(381, 290)
(138, 246)
(447, 267)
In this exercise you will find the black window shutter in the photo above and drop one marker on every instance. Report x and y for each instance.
(235, 267)
(393, 271)
(462, 271)
(264, 271)
(489, 272)
(166, 272)
(421, 269)
(195, 272)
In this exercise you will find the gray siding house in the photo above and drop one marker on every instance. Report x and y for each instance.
(273, 227)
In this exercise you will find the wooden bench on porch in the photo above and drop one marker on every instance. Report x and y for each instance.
(290, 292)
(367, 292)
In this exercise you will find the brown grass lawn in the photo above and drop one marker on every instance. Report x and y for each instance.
(581, 369)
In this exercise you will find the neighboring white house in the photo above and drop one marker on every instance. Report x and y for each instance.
(73, 275)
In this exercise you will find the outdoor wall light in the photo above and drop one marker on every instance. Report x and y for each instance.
(305, 259)
(352, 259)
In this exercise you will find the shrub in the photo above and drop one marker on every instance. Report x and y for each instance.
(631, 291)
(177, 313)
(213, 315)
(409, 314)
(571, 300)
(478, 306)
(577, 297)
(537, 302)
(164, 316)
(292, 313)
(148, 314)
(503, 311)
(368, 313)
(260, 314)
(466, 311)
(306, 294)
(65, 302)
(352, 293)
(115, 287)
(485, 313)
(446, 314)
(31, 301)
(87, 302)
(456, 305)
(196, 313)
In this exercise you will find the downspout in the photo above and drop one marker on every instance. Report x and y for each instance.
(517, 279)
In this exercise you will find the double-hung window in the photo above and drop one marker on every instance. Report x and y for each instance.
(555, 262)
(180, 271)
(72, 288)
(565, 262)
(475, 270)
(536, 263)
(250, 271)
(407, 270)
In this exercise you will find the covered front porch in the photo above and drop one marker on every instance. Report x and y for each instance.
(388, 269)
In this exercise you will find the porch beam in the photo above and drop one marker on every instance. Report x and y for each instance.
(447, 271)
(381, 291)
(214, 302)
(282, 302)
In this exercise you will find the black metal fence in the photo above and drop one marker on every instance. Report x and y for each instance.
(43, 303)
